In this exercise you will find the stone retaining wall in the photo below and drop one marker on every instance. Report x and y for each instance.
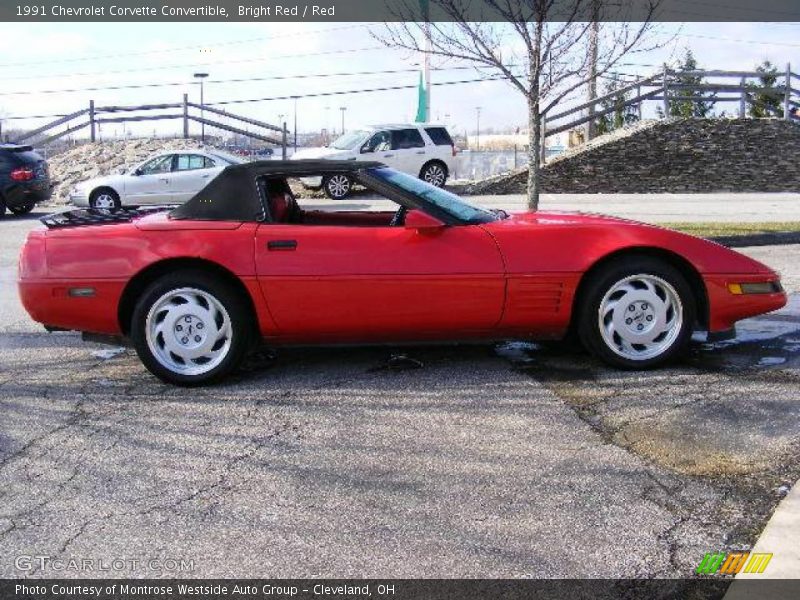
(677, 156)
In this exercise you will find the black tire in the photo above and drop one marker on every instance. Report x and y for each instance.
(236, 307)
(104, 195)
(22, 210)
(434, 172)
(594, 336)
(2, 207)
(337, 186)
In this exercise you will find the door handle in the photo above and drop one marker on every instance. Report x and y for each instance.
(420, 151)
(206, 176)
(282, 245)
(351, 158)
(164, 179)
(388, 155)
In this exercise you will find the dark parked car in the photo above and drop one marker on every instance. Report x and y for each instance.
(24, 179)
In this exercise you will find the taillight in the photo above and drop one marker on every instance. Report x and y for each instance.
(22, 174)
(455, 150)
(32, 257)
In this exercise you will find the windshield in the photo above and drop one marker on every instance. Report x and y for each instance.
(444, 200)
(350, 140)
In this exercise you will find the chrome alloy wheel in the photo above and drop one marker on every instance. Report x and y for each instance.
(188, 331)
(105, 200)
(434, 174)
(338, 186)
(640, 317)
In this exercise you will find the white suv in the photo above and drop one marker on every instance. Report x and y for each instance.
(420, 149)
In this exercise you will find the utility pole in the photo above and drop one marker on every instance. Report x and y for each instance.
(201, 77)
(295, 121)
(342, 108)
(478, 128)
(594, 34)
(427, 64)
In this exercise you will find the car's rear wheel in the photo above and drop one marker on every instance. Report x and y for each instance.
(23, 209)
(435, 173)
(636, 313)
(338, 186)
(189, 328)
(105, 198)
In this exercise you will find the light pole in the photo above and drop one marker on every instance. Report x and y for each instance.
(201, 77)
(478, 128)
(295, 121)
(342, 108)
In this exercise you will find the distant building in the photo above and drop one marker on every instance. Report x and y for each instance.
(554, 144)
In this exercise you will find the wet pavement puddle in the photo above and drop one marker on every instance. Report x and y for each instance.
(763, 342)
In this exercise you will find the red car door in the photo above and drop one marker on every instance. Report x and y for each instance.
(351, 283)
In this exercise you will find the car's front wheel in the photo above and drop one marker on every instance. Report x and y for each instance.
(338, 186)
(189, 328)
(637, 313)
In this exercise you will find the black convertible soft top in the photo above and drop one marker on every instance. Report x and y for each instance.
(234, 196)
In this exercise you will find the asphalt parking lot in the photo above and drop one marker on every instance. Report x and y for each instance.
(475, 461)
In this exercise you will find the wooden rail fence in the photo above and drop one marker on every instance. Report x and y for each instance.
(94, 116)
(664, 87)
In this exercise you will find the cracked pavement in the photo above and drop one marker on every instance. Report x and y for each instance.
(508, 461)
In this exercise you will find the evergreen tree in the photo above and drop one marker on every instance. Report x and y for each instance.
(766, 102)
(689, 107)
(621, 115)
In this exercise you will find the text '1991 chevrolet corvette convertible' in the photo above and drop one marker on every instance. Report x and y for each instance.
(196, 287)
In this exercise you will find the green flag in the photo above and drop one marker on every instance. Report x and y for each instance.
(422, 97)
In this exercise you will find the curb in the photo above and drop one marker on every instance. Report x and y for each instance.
(778, 238)
(780, 537)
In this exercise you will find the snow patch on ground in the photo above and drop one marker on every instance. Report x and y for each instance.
(108, 353)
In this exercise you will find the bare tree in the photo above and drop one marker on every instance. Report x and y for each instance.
(539, 46)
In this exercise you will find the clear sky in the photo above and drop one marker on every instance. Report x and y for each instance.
(37, 57)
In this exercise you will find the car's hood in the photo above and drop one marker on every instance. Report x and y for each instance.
(327, 153)
(615, 232)
(558, 217)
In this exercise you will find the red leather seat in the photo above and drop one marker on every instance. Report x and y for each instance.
(280, 207)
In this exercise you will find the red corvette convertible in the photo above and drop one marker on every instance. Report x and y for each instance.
(195, 287)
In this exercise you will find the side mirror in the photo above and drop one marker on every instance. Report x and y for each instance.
(366, 149)
(422, 222)
(137, 172)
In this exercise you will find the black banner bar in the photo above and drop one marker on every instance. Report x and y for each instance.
(399, 589)
(391, 10)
